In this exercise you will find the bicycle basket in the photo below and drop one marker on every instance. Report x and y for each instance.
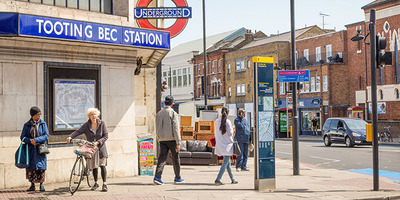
(86, 150)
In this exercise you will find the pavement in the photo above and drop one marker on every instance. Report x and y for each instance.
(312, 183)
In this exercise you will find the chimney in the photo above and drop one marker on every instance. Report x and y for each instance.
(248, 36)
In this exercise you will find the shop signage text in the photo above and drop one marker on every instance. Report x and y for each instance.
(293, 76)
(181, 12)
(55, 28)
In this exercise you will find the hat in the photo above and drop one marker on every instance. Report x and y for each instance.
(34, 110)
(169, 99)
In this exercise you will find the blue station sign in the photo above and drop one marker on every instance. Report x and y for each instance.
(55, 28)
(163, 13)
(293, 76)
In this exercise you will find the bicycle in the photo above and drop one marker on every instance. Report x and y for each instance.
(385, 135)
(80, 170)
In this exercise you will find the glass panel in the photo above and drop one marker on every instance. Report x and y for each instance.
(179, 81)
(72, 3)
(190, 79)
(35, 1)
(84, 4)
(174, 81)
(61, 3)
(169, 81)
(174, 72)
(95, 5)
(184, 80)
(306, 122)
(106, 6)
(164, 74)
(48, 2)
(184, 70)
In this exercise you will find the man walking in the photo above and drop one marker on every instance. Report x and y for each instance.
(168, 135)
(242, 136)
(314, 126)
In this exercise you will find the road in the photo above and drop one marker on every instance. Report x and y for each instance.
(339, 156)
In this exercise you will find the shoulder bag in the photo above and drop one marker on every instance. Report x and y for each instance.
(43, 149)
(22, 156)
(236, 149)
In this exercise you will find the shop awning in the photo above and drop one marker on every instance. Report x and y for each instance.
(150, 46)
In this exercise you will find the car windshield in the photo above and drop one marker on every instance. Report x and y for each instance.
(356, 124)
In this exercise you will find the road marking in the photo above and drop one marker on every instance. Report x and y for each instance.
(393, 176)
(333, 160)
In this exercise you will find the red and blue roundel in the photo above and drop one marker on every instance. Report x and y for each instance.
(181, 12)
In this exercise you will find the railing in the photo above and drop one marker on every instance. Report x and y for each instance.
(337, 57)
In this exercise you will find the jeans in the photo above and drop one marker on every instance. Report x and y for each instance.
(242, 159)
(226, 164)
(162, 158)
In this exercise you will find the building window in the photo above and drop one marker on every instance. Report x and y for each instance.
(240, 89)
(317, 54)
(198, 69)
(219, 65)
(179, 77)
(312, 84)
(104, 6)
(229, 68)
(169, 78)
(184, 77)
(249, 63)
(306, 54)
(302, 87)
(212, 67)
(281, 88)
(328, 51)
(396, 92)
(325, 84)
(381, 94)
(229, 91)
(189, 76)
(307, 88)
(240, 66)
(174, 78)
(317, 84)
(297, 55)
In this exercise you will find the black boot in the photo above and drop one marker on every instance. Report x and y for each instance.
(32, 188)
(42, 187)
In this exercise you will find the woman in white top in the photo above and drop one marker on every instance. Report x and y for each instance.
(224, 144)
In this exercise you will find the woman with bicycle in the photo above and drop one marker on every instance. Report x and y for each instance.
(96, 132)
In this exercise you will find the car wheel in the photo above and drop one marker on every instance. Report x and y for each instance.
(349, 143)
(327, 141)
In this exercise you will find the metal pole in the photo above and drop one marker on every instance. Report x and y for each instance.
(170, 78)
(375, 158)
(205, 55)
(287, 118)
(295, 138)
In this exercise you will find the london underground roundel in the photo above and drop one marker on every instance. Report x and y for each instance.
(181, 12)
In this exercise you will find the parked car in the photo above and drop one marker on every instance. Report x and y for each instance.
(349, 131)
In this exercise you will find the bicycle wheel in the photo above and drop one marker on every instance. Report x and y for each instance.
(89, 177)
(76, 175)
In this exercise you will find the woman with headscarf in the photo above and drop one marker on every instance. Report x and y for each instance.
(224, 144)
(35, 132)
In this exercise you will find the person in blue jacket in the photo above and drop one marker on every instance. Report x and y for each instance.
(242, 136)
(35, 132)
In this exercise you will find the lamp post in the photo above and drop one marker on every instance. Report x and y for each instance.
(205, 55)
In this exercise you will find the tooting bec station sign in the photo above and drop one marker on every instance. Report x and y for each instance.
(181, 12)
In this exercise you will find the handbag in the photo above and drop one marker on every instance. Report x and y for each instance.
(86, 150)
(251, 147)
(22, 156)
(43, 149)
(236, 149)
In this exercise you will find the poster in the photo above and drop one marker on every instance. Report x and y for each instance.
(146, 157)
(72, 98)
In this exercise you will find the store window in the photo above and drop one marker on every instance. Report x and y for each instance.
(307, 116)
(104, 6)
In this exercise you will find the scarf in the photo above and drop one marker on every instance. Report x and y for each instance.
(34, 128)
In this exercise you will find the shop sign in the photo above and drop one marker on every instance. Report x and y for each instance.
(47, 27)
(181, 12)
(293, 76)
(315, 101)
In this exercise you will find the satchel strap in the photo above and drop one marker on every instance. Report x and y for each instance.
(27, 152)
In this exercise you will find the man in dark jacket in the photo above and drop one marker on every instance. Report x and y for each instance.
(168, 135)
(242, 136)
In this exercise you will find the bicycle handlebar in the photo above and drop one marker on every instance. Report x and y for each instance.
(82, 141)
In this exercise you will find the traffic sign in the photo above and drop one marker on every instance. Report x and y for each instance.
(293, 76)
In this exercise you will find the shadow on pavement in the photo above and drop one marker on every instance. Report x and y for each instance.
(59, 191)
(130, 184)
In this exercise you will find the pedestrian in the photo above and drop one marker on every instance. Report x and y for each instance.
(35, 132)
(314, 126)
(242, 136)
(95, 131)
(169, 138)
(223, 131)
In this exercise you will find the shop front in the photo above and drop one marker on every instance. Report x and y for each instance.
(308, 109)
(64, 65)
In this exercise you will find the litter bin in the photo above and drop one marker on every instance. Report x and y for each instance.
(146, 155)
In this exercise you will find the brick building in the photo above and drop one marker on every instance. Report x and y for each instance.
(387, 25)
(327, 92)
(216, 91)
(239, 66)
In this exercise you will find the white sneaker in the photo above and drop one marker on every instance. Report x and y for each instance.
(238, 169)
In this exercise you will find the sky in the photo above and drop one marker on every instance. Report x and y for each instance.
(268, 16)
